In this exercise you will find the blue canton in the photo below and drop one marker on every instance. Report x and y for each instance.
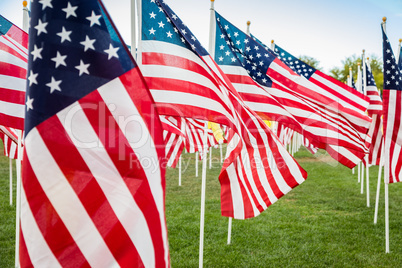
(73, 50)
(234, 47)
(392, 76)
(369, 77)
(160, 23)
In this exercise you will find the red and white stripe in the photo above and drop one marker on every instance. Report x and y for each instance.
(184, 84)
(375, 132)
(392, 100)
(309, 146)
(375, 106)
(103, 205)
(174, 147)
(284, 134)
(13, 73)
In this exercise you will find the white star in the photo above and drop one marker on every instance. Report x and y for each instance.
(29, 103)
(94, 19)
(88, 43)
(259, 74)
(221, 47)
(261, 63)
(266, 55)
(184, 31)
(388, 51)
(59, 59)
(175, 30)
(264, 80)
(227, 53)
(237, 42)
(246, 41)
(65, 35)
(83, 68)
(41, 27)
(251, 57)
(226, 27)
(112, 52)
(222, 36)
(169, 34)
(161, 24)
(152, 31)
(174, 16)
(36, 52)
(221, 58)
(193, 46)
(32, 78)
(70, 10)
(236, 34)
(183, 40)
(248, 49)
(233, 59)
(193, 38)
(46, 3)
(153, 15)
(54, 85)
(258, 55)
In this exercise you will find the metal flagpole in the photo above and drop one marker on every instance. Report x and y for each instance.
(196, 164)
(11, 181)
(386, 180)
(25, 27)
(349, 81)
(139, 43)
(220, 149)
(248, 28)
(210, 157)
(180, 170)
(377, 196)
(398, 52)
(366, 157)
(133, 30)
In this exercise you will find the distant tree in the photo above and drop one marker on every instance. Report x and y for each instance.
(342, 73)
(311, 61)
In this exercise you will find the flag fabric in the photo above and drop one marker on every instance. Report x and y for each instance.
(309, 146)
(10, 141)
(185, 81)
(392, 103)
(93, 184)
(302, 106)
(174, 137)
(13, 74)
(285, 134)
(375, 111)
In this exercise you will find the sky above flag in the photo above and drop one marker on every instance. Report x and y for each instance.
(328, 31)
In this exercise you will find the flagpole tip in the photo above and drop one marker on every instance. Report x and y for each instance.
(400, 40)
(368, 58)
(350, 68)
(248, 23)
(272, 41)
(348, 76)
(384, 19)
(212, 0)
(359, 63)
(24, 3)
(364, 50)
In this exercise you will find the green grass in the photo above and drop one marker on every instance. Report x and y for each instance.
(323, 222)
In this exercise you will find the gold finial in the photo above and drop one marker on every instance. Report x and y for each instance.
(368, 58)
(350, 68)
(248, 23)
(24, 3)
(358, 63)
(384, 19)
(348, 76)
(364, 50)
(400, 40)
(272, 41)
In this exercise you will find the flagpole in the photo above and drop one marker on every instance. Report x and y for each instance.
(196, 164)
(377, 196)
(386, 179)
(139, 43)
(398, 52)
(220, 149)
(248, 28)
(180, 170)
(210, 157)
(272, 45)
(133, 30)
(367, 160)
(349, 81)
(11, 181)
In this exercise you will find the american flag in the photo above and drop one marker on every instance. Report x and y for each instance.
(13, 73)
(392, 102)
(10, 141)
(93, 184)
(241, 57)
(375, 111)
(185, 81)
(284, 134)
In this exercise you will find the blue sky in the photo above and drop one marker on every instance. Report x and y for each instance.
(329, 31)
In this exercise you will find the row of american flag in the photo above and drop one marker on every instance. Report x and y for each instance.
(100, 129)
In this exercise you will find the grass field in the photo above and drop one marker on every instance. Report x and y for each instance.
(322, 223)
